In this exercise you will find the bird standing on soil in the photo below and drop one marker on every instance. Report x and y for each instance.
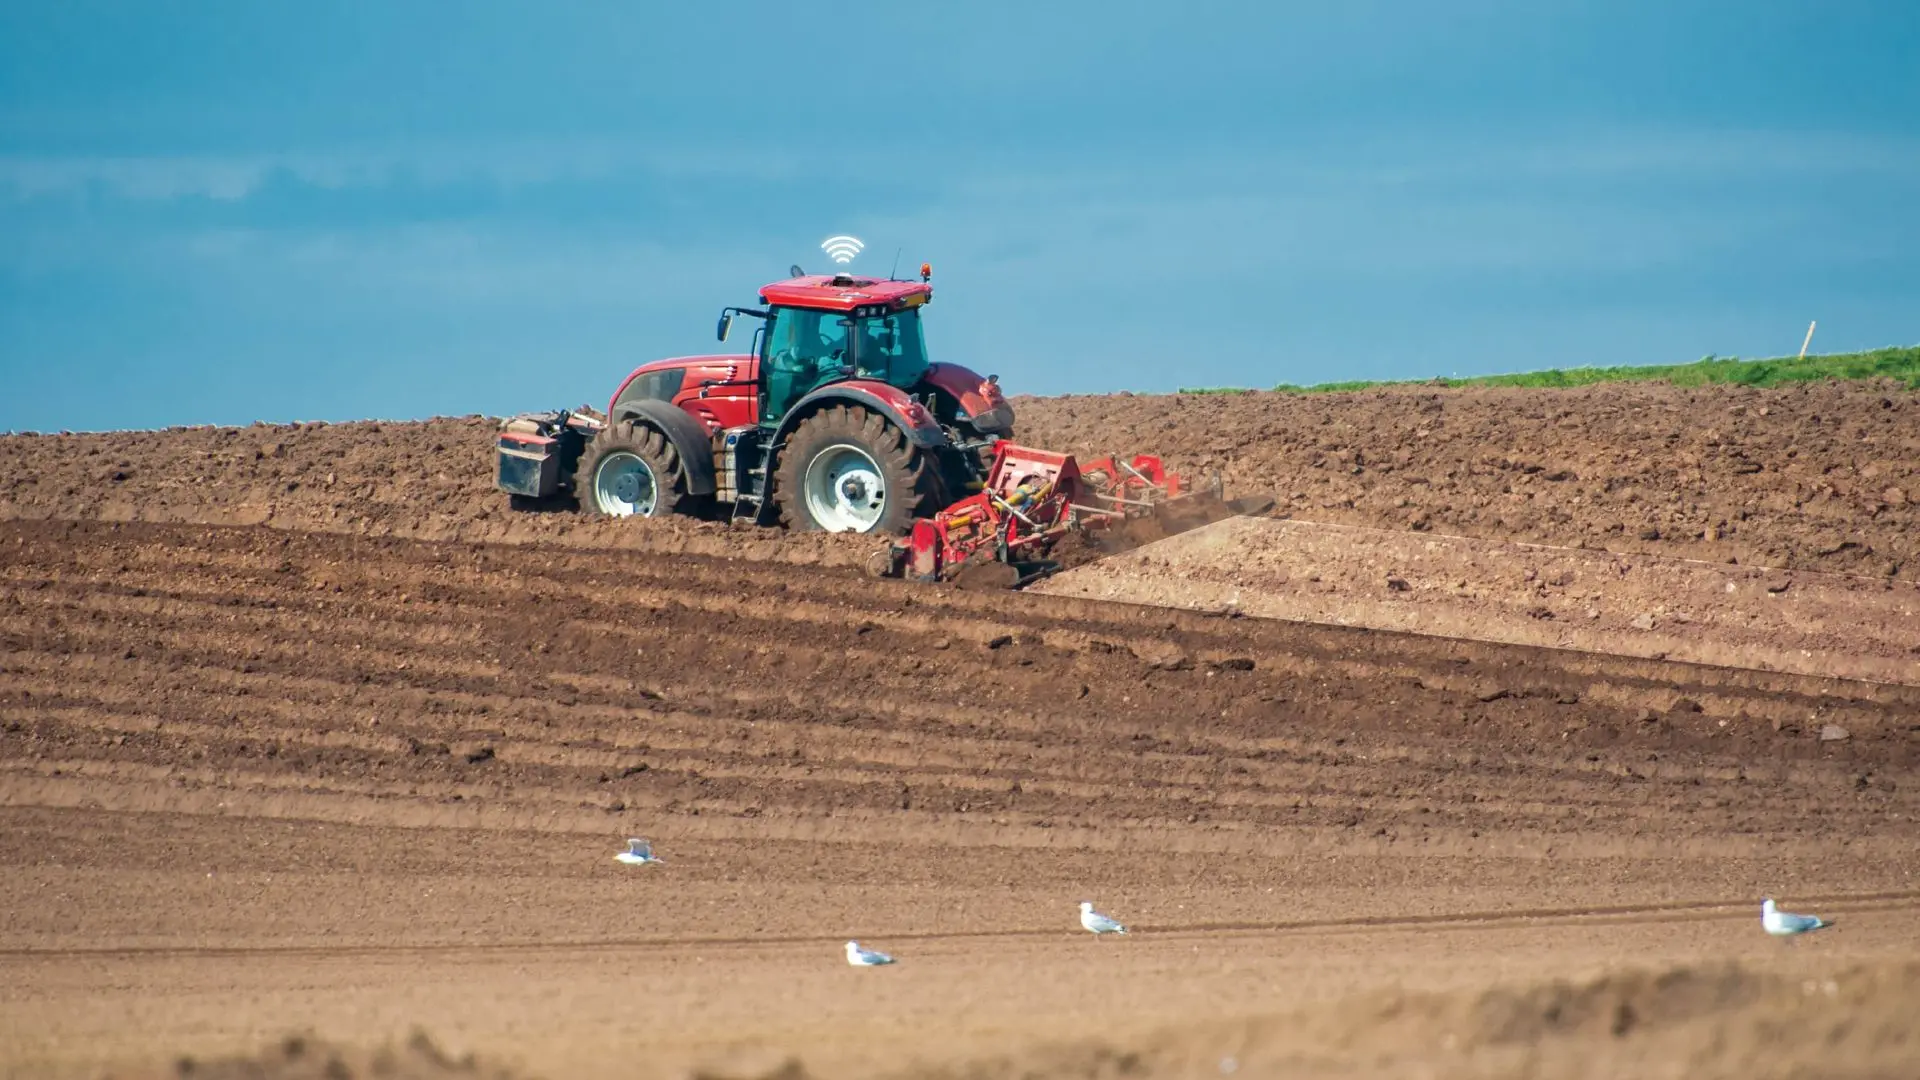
(638, 853)
(859, 957)
(1097, 923)
(1786, 924)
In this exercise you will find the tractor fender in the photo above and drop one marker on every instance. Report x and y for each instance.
(687, 435)
(891, 402)
(981, 403)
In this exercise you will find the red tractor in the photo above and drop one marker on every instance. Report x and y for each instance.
(837, 421)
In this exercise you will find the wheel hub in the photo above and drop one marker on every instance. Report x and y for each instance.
(624, 486)
(844, 490)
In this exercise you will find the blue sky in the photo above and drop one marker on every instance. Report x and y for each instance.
(216, 211)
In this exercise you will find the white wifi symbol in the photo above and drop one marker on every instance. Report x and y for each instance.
(842, 248)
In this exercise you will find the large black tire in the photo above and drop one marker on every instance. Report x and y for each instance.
(906, 483)
(616, 447)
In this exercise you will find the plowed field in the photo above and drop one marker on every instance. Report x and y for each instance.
(291, 741)
(1819, 477)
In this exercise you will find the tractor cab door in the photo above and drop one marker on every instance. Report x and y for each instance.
(804, 350)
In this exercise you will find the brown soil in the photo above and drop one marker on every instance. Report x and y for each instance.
(302, 1057)
(1821, 476)
(363, 770)
(1679, 1022)
(428, 480)
(1630, 605)
(1170, 519)
(258, 781)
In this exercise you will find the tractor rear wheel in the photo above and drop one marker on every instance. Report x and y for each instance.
(846, 469)
(628, 470)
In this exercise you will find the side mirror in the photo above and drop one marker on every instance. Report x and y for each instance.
(726, 323)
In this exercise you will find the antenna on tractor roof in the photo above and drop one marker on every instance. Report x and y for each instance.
(896, 264)
(795, 271)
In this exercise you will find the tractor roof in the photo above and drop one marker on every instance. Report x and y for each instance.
(844, 292)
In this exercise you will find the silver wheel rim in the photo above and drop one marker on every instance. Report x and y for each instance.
(844, 490)
(624, 486)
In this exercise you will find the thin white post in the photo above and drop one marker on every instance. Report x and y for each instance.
(1809, 341)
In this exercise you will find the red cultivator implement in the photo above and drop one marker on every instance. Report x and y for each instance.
(1031, 500)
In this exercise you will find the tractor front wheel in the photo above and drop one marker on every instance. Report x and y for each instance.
(629, 471)
(846, 469)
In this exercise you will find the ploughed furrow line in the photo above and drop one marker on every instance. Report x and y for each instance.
(441, 680)
(1460, 675)
(113, 723)
(402, 670)
(597, 636)
(774, 784)
(385, 687)
(955, 760)
(718, 599)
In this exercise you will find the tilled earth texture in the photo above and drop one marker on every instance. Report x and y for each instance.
(314, 758)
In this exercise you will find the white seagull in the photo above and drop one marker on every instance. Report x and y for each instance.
(860, 957)
(1786, 923)
(638, 853)
(1096, 922)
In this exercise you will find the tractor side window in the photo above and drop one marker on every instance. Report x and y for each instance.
(804, 349)
(890, 348)
(802, 338)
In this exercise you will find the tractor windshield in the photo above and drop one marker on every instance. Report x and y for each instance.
(890, 348)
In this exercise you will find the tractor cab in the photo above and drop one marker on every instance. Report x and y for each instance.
(824, 329)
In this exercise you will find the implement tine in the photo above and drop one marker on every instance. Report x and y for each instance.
(1134, 471)
(1150, 485)
(1012, 509)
